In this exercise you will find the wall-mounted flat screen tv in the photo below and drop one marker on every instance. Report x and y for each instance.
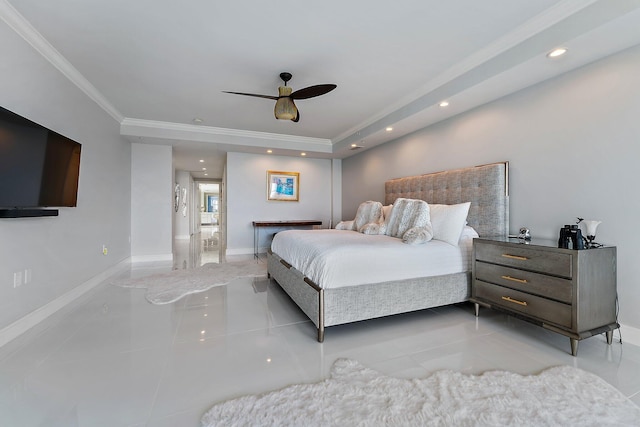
(38, 167)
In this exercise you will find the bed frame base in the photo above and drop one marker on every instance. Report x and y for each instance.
(331, 307)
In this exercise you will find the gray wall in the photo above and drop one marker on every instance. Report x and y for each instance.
(65, 251)
(247, 195)
(573, 146)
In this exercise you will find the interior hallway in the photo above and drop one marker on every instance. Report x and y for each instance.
(113, 359)
(200, 249)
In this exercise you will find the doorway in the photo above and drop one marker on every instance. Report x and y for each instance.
(210, 219)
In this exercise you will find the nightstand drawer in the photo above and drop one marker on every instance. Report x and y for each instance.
(539, 284)
(520, 302)
(527, 258)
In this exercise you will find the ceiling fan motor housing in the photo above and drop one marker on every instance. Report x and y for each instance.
(285, 109)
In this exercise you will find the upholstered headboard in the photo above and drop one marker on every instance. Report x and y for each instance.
(486, 187)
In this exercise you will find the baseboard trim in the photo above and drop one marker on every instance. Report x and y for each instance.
(27, 322)
(242, 251)
(151, 258)
(630, 334)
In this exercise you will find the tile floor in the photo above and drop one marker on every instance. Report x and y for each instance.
(113, 359)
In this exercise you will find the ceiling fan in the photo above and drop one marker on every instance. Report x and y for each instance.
(285, 109)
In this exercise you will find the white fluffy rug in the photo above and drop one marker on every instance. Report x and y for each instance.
(357, 396)
(165, 288)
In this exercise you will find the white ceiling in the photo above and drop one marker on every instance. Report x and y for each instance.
(155, 65)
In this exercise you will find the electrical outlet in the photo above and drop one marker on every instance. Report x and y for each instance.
(104, 250)
(17, 279)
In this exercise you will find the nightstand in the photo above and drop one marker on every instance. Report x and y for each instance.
(571, 292)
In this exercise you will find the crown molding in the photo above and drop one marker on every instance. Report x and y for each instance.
(25, 30)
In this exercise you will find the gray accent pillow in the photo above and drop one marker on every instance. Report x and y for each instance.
(345, 225)
(406, 214)
(418, 235)
(368, 212)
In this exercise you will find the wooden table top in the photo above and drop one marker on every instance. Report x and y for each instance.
(295, 222)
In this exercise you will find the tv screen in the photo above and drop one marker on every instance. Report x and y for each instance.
(38, 167)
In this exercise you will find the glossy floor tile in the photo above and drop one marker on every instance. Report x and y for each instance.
(113, 359)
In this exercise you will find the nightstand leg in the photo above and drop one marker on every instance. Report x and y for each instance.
(574, 346)
(609, 337)
(477, 308)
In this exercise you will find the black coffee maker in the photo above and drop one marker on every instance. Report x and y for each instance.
(571, 237)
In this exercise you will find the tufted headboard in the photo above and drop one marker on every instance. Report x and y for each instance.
(486, 187)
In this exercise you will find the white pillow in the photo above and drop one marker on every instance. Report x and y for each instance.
(448, 221)
(468, 232)
(386, 212)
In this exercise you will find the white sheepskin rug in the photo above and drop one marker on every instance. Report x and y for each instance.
(165, 288)
(357, 396)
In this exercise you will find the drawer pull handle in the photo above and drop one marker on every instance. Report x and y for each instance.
(515, 301)
(521, 258)
(513, 279)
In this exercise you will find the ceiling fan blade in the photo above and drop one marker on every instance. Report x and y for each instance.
(253, 94)
(311, 91)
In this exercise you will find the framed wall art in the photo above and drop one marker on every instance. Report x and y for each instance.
(283, 186)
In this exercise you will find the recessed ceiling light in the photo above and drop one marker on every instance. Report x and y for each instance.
(197, 121)
(389, 129)
(206, 174)
(444, 104)
(303, 154)
(201, 160)
(269, 151)
(559, 51)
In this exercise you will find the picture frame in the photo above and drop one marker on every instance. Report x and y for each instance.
(283, 186)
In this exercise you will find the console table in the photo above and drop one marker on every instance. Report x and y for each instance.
(257, 225)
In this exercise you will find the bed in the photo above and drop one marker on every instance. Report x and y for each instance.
(334, 300)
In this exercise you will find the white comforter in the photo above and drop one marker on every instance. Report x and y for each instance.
(338, 258)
